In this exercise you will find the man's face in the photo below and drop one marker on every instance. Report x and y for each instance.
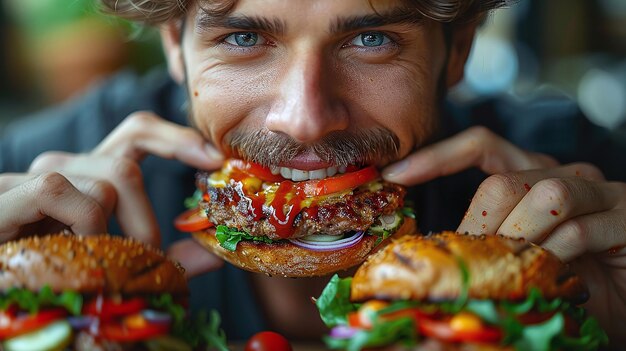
(312, 84)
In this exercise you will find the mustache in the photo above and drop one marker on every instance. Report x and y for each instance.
(369, 146)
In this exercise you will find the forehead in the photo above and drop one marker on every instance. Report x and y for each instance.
(290, 13)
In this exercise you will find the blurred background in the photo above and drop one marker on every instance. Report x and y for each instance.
(52, 50)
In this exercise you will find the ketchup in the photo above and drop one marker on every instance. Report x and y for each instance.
(281, 212)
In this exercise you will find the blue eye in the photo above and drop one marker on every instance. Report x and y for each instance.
(370, 39)
(246, 39)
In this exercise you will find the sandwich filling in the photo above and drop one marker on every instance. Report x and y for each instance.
(534, 323)
(328, 210)
(45, 320)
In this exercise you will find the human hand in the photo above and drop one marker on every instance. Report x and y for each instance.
(109, 178)
(570, 210)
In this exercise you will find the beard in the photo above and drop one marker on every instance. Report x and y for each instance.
(368, 146)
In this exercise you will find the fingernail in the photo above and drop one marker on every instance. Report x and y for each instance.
(213, 154)
(396, 169)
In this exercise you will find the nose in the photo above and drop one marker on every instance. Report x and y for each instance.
(306, 107)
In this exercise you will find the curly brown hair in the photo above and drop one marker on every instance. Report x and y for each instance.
(156, 12)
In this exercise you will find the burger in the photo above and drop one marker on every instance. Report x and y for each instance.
(277, 222)
(459, 292)
(100, 292)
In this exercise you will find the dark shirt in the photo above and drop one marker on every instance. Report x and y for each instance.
(551, 125)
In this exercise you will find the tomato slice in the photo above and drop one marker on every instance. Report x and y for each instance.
(254, 169)
(353, 178)
(443, 331)
(110, 308)
(192, 220)
(340, 182)
(12, 325)
(121, 332)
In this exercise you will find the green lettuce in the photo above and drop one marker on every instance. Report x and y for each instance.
(334, 302)
(195, 331)
(32, 301)
(230, 237)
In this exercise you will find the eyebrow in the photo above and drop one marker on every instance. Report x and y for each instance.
(396, 16)
(207, 20)
(241, 22)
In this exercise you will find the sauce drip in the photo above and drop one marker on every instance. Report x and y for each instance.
(281, 211)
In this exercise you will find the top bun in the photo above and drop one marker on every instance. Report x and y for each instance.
(89, 264)
(429, 269)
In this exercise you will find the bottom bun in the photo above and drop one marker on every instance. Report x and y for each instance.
(288, 260)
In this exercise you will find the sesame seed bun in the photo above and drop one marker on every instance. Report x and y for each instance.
(89, 264)
(288, 260)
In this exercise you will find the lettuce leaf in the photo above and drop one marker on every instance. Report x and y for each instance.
(193, 200)
(401, 330)
(230, 237)
(32, 301)
(197, 331)
(334, 302)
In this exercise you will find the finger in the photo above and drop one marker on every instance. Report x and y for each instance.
(498, 195)
(144, 133)
(475, 147)
(50, 161)
(133, 209)
(49, 195)
(100, 191)
(556, 200)
(603, 232)
(193, 257)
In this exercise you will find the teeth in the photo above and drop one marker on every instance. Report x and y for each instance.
(318, 174)
(298, 175)
(285, 172)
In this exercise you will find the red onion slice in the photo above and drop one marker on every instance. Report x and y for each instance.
(330, 245)
(81, 322)
(343, 332)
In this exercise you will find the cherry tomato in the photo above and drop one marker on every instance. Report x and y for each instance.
(116, 331)
(110, 308)
(192, 220)
(339, 182)
(254, 169)
(267, 341)
(12, 325)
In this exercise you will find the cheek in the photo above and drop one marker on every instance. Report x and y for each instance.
(401, 98)
(404, 96)
(221, 99)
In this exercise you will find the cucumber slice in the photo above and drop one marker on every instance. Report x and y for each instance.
(322, 238)
(388, 223)
(53, 337)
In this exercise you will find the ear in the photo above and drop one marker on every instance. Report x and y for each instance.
(171, 39)
(461, 40)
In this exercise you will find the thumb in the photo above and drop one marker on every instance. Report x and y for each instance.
(193, 257)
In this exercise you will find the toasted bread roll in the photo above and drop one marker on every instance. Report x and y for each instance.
(288, 260)
(91, 264)
(430, 268)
